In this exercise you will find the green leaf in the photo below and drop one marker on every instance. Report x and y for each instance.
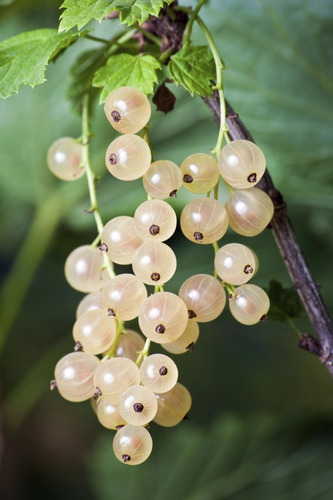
(131, 11)
(193, 67)
(24, 57)
(127, 70)
(82, 73)
(285, 303)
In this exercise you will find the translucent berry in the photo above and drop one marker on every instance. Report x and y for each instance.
(108, 415)
(64, 159)
(128, 157)
(114, 376)
(83, 269)
(132, 444)
(137, 405)
(249, 211)
(186, 341)
(155, 220)
(159, 373)
(90, 302)
(154, 263)
(200, 173)
(173, 406)
(95, 331)
(204, 297)
(162, 180)
(242, 164)
(249, 305)
(204, 220)
(121, 239)
(129, 344)
(235, 263)
(74, 376)
(123, 296)
(127, 109)
(163, 317)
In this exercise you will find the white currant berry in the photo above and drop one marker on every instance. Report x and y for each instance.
(64, 159)
(127, 109)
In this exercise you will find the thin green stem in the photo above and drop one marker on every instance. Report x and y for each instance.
(144, 353)
(97, 39)
(165, 56)
(219, 87)
(91, 177)
(111, 352)
(157, 41)
(193, 17)
(294, 327)
(216, 190)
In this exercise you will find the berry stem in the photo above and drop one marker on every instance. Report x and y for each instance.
(193, 17)
(111, 352)
(144, 353)
(218, 87)
(91, 177)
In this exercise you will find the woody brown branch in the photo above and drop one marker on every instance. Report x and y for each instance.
(288, 246)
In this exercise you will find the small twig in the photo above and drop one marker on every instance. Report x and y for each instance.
(288, 245)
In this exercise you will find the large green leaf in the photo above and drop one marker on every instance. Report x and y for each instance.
(131, 11)
(24, 57)
(193, 68)
(126, 70)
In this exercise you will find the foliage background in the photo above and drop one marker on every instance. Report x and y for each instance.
(261, 421)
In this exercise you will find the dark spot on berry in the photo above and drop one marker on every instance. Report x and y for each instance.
(53, 385)
(115, 115)
(163, 370)
(78, 346)
(198, 236)
(248, 269)
(190, 347)
(138, 407)
(173, 193)
(113, 159)
(186, 417)
(229, 296)
(103, 247)
(155, 277)
(191, 314)
(119, 426)
(160, 329)
(126, 458)
(154, 229)
(252, 178)
(264, 318)
(111, 312)
(187, 179)
(97, 393)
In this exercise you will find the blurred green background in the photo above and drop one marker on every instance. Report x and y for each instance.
(261, 424)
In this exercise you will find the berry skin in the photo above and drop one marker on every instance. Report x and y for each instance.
(83, 269)
(162, 180)
(204, 220)
(249, 211)
(235, 263)
(132, 444)
(127, 109)
(249, 305)
(74, 376)
(128, 157)
(200, 173)
(204, 297)
(242, 164)
(64, 159)
(155, 220)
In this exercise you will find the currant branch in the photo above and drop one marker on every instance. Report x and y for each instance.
(289, 249)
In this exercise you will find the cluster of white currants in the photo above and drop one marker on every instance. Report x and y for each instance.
(131, 388)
